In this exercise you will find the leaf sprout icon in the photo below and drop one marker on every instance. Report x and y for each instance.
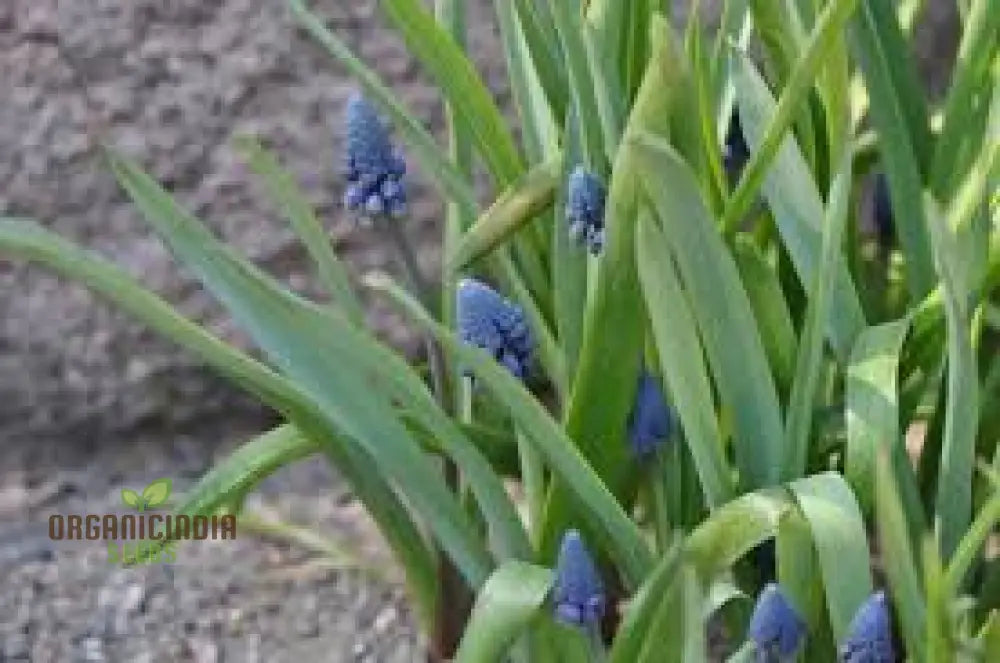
(153, 495)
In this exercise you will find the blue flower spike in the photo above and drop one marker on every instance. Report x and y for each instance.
(776, 629)
(585, 198)
(578, 593)
(736, 152)
(374, 169)
(486, 320)
(870, 633)
(651, 422)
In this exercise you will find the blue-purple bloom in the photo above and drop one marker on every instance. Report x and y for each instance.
(870, 633)
(578, 593)
(488, 321)
(885, 229)
(776, 629)
(374, 169)
(736, 152)
(651, 422)
(585, 198)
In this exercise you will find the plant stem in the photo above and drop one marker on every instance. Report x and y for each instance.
(392, 230)
(661, 502)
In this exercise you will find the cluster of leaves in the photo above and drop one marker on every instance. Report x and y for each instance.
(639, 251)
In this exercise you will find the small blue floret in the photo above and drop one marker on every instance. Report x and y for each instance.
(776, 629)
(651, 422)
(374, 170)
(578, 593)
(585, 199)
(870, 633)
(488, 321)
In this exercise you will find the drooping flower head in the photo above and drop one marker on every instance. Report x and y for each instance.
(651, 422)
(585, 198)
(776, 629)
(578, 592)
(870, 633)
(488, 321)
(373, 167)
(736, 152)
(885, 227)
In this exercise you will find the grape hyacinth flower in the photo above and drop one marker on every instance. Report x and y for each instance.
(736, 152)
(870, 633)
(488, 321)
(585, 198)
(651, 421)
(885, 229)
(578, 592)
(374, 168)
(776, 629)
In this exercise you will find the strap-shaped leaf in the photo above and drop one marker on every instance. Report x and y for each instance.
(682, 362)
(296, 335)
(728, 331)
(455, 74)
(841, 541)
(794, 198)
(290, 198)
(619, 535)
(506, 604)
(899, 112)
(29, 241)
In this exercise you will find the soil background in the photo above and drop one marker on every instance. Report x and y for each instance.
(91, 402)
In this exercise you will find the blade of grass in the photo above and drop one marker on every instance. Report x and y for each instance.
(506, 604)
(283, 189)
(457, 77)
(619, 534)
(29, 241)
(295, 334)
(798, 423)
(709, 273)
(800, 81)
(795, 199)
(681, 360)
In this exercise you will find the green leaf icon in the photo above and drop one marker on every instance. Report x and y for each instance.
(131, 498)
(157, 492)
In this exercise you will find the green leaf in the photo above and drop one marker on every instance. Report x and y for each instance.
(898, 559)
(841, 540)
(734, 529)
(798, 424)
(678, 632)
(976, 53)
(635, 628)
(770, 310)
(542, 41)
(430, 155)
(568, 15)
(518, 206)
(452, 70)
(953, 507)
(682, 361)
(292, 200)
(899, 113)
(972, 543)
(989, 636)
(131, 498)
(296, 334)
(27, 240)
(506, 604)
(157, 492)
(800, 82)
(872, 405)
(732, 342)
(621, 537)
(793, 196)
